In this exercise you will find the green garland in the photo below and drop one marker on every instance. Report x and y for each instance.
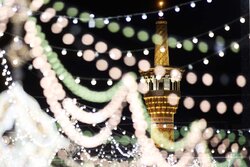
(69, 81)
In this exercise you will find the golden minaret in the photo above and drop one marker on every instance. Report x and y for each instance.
(163, 96)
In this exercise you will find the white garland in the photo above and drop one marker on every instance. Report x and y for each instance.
(94, 118)
(35, 137)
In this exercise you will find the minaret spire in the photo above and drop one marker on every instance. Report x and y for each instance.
(163, 96)
(161, 57)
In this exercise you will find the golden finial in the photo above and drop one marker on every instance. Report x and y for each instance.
(161, 4)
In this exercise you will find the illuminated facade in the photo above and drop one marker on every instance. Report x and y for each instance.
(163, 83)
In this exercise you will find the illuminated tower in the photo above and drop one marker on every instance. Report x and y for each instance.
(164, 86)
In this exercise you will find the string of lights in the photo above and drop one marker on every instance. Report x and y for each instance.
(58, 6)
(173, 42)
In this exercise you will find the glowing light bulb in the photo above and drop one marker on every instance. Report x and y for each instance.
(144, 16)
(162, 49)
(75, 21)
(195, 40)
(209, 1)
(178, 45)
(77, 80)
(93, 82)
(242, 20)
(79, 53)
(129, 54)
(160, 13)
(15, 62)
(106, 21)
(29, 13)
(145, 51)
(177, 9)
(128, 18)
(190, 67)
(236, 45)
(206, 61)
(211, 34)
(227, 28)
(221, 53)
(16, 39)
(192, 4)
(109, 82)
(64, 52)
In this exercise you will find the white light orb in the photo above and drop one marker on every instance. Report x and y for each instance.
(221, 107)
(88, 55)
(129, 60)
(56, 28)
(238, 108)
(68, 39)
(115, 54)
(159, 71)
(102, 65)
(87, 39)
(144, 65)
(143, 88)
(173, 99)
(115, 73)
(207, 79)
(205, 106)
(191, 78)
(241, 81)
(189, 102)
(175, 75)
(101, 47)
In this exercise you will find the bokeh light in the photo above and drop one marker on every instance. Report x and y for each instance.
(238, 108)
(88, 55)
(157, 39)
(115, 54)
(68, 39)
(205, 106)
(101, 47)
(189, 102)
(101, 65)
(84, 17)
(144, 65)
(203, 47)
(87, 39)
(128, 32)
(159, 71)
(143, 88)
(72, 11)
(173, 99)
(241, 81)
(191, 78)
(129, 60)
(188, 45)
(115, 73)
(143, 36)
(113, 27)
(221, 107)
(99, 23)
(207, 79)
(58, 6)
(172, 42)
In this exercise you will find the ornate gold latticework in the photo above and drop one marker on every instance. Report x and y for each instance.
(161, 58)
